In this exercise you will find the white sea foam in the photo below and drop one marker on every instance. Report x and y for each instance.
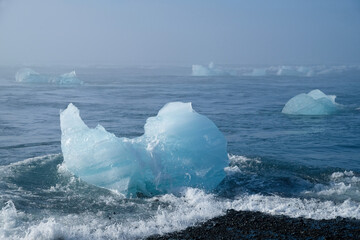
(238, 159)
(341, 186)
(8, 217)
(232, 170)
(172, 212)
(237, 162)
(192, 207)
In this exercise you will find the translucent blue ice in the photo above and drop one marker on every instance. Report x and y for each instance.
(295, 71)
(27, 75)
(313, 103)
(179, 148)
(66, 78)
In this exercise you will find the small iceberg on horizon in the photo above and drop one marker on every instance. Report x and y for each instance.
(27, 75)
(180, 148)
(313, 103)
(211, 70)
(295, 71)
(66, 79)
(257, 72)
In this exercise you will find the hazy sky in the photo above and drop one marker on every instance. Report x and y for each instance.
(182, 32)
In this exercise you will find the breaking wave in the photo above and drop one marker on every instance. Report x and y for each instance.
(89, 212)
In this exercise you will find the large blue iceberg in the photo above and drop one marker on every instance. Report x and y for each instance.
(27, 75)
(179, 148)
(313, 103)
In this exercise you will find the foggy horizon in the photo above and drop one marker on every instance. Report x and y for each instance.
(179, 33)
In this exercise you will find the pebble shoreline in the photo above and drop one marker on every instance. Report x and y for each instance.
(256, 225)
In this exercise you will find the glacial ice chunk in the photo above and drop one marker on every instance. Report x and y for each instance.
(312, 103)
(257, 72)
(66, 78)
(179, 148)
(27, 75)
(294, 71)
(211, 70)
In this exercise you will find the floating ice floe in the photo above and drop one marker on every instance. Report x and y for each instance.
(66, 78)
(211, 70)
(179, 148)
(295, 71)
(282, 70)
(30, 76)
(27, 75)
(312, 103)
(257, 72)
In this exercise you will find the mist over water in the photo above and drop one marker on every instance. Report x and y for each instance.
(40, 32)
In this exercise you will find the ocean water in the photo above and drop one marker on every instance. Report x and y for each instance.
(299, 166)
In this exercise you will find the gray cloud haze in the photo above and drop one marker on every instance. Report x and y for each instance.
(179, 32)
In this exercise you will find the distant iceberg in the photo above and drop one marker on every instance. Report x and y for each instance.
(179, 148)
(295, 71)
(312, 103)
(27, 75)
(273, 71)
(211, 70)
(66, 79)
(300, 71)
(30, 76)
(257, 72)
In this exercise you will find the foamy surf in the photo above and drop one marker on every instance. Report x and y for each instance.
(297, 166)
(104, 214)
(172, 214)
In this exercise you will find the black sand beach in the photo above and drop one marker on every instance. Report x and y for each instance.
(256, 225)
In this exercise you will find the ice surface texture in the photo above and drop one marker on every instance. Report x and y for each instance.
(66, 78)
(313, 103)
(30, 76)
(27, 75)
(179, 148)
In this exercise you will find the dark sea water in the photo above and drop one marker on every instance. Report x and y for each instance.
(298, 166)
